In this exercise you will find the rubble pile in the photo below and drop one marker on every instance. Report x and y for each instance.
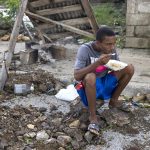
(33, 129)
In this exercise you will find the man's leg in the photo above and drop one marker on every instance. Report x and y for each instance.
(123, 76)
(90, 89)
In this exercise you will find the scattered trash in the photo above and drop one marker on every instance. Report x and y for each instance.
(23, 88)
(68, 94)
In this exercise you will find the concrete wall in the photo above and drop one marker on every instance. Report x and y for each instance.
(138, 24)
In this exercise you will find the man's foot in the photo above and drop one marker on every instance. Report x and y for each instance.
(94, 128)
(120, 105)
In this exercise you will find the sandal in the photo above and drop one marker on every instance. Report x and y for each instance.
(94, 128)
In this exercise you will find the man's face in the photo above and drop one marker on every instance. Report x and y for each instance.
(107, 45)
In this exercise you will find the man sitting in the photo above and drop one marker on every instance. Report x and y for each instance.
(96, 80)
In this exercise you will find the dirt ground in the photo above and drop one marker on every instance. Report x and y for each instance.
(36, 120)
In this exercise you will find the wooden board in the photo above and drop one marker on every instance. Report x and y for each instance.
(74, 16)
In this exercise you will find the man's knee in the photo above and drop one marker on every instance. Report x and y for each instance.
(90, 79)
(129, 70)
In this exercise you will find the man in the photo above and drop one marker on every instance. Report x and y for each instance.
(100, 83)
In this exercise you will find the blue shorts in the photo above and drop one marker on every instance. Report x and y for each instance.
(105, 86)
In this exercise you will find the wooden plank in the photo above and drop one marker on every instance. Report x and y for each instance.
(52, 11)
(40, 3)
(12, 43)
(71, 22)
(66, 27)
(59, 35)
(62, 35)
(89, 12)
(15, 32)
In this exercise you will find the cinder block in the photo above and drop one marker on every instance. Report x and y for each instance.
(144, 7)
(130, 31)
(29, 56)
(138, 19)
(133, 42)
(142, 31)
(131, 6)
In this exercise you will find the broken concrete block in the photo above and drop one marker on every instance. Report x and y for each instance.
(29, 56)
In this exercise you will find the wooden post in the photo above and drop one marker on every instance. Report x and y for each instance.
(29, 33)
(15, 32)
(88, 10)
(67, 27)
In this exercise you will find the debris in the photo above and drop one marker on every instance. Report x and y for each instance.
(42, 136)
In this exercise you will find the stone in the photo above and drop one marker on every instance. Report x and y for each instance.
(134, 42)
(5, 38)
(51, 141)
(30, 126)
(144, 7)
(63, 140)
(30, 135)
(131, 6)
(42, 136)
(148, 97)
(88, 136)
(75, 145)
(139, 98)
(137, 19)
(42, 109)
(142, 31)
(75, 124)
(130, 31)
(57, 121)
(61, 148)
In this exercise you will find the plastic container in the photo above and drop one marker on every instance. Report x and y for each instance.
(22, 88)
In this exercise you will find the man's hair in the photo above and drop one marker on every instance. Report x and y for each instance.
(102, 32)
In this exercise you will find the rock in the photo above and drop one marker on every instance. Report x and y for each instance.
(19, 133)
(59, 134)
(3, 144)
(83, 126)
(42, 118)
(30, 135)
(42, 136)
(51, 141)
(57, 121)
(63, 140)
(27, 148)
(25, 38)
(61, 148)
(5, 38)
(45, 125)
(19, 38)
(75, 144)
(139, 98)
(148, 97)
(88, 136)
(42, 109)
(75, 124)
(30, 126)
(43, 87)
(78, 135)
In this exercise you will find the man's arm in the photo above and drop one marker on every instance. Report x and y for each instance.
(80, 73)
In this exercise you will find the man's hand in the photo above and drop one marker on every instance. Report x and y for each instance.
(103, 59)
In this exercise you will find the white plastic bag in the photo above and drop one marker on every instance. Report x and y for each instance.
(68, 94)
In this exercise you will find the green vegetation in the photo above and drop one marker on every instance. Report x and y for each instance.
(113, 16)
(11, 5)
(11, 9)
(108, 14)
